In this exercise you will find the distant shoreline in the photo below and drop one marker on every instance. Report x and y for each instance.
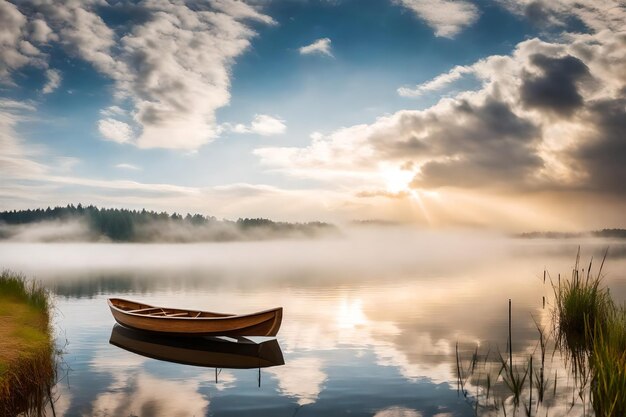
(92, 224)
(603, 233)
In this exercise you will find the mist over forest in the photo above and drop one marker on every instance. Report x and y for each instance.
(93, 224)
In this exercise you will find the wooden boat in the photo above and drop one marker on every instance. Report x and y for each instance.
(203, 351)
(181, 322)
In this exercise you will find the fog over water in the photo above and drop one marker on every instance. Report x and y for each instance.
(372, 315)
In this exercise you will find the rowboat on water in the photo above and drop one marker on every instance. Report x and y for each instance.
(175, 321)
(204, 351)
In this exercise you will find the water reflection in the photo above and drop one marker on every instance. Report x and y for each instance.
(206, 352)
(368, 330)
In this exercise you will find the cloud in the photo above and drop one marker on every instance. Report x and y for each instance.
(172, 66)
(547, 118)
(16, 161)
(436, 83)
(321, 47)
(603, 150)
(113, 111)
(267, 125)
(79, 29)
(129, 167)
(597, 16)
(53, 81)
(262, 124)
(305, 384)
(446, 17)
(41, 32)
(556, 88)
(397, 411)
(115, 130)
(15, 49)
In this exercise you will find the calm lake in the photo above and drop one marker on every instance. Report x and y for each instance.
(370, 327)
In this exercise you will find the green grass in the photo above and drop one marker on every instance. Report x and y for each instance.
(579, 302)
(16, 286)
(592, 330)
(26, 347)
(608, 364)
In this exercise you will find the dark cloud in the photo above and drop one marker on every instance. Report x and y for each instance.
(556, 89)
(603, 153)
(483, 145)
(538, 13)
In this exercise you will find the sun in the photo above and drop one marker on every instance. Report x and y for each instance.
(397, 180)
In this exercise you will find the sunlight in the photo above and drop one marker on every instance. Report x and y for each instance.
(416, 196)
(396, 180)
(350, 314)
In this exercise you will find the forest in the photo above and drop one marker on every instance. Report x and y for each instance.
(123, 225)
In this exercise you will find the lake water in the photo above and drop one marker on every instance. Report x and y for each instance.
(371, 320)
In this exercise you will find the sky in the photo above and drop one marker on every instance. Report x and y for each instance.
(500, 114)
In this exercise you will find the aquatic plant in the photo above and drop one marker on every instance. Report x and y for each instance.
(592, 331)
(608, 365)
(579, 302)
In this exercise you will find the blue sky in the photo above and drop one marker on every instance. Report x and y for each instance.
(316, 109)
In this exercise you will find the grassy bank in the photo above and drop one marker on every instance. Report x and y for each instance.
(26, 348)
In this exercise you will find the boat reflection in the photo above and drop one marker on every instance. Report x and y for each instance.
(204, 351)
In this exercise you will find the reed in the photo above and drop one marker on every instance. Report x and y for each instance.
(580, 301)
(592, 330)
(26, 348)
(608, 364)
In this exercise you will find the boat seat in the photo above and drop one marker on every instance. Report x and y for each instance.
(143, 310)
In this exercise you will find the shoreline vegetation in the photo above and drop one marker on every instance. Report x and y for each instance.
(591, 328)
(604, 233)
(27, 367)
(584, 336)
(90, 223)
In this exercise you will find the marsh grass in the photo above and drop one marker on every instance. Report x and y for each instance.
(608, 363)
(591, 329)
(579, 302)
(26, 347)
(13, 285)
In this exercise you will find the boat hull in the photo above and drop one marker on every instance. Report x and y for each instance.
(264, 323)
(198, 352)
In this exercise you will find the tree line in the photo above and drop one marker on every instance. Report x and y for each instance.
(122, 224)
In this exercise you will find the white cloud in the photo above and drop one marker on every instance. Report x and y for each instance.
(15, 160)
(40, 32)
(173, 68)
(113, 111)
(436, 83)
(129, 167)
(53, 81)
(321, 46)
(446, 17)
(80, 30)
(114, 130)
(178, 70)
(265, 125)
(15, 50)
(262, 124)
(596, 15)
(301, 378)
(397, 411)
